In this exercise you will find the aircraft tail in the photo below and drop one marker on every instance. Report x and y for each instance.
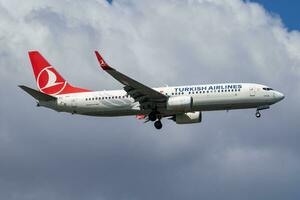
(48, 80)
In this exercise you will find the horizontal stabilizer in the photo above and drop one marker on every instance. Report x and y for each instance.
(37, 94)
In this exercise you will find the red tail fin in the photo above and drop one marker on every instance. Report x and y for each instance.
(48, 80)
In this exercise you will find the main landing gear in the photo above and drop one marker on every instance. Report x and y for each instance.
(154, 116)
(158, 124)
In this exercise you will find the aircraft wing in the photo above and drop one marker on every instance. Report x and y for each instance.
(137, 90)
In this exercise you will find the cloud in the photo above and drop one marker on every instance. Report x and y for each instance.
(231, 155)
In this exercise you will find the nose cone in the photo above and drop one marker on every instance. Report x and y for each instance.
(279, 96)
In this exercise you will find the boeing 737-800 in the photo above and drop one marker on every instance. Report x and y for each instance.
(183, 104)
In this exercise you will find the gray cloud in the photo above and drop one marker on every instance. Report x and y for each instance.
(49, 155)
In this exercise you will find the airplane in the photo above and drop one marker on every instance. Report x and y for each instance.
(182, 104)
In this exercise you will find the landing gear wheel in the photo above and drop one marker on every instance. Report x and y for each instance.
(152, 116)
(158, 124)
(257, 114)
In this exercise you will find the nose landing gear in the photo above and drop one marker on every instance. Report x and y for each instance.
(257, 114)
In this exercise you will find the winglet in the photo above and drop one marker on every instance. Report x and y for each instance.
(102, 62)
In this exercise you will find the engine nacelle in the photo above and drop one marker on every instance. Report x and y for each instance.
(180, 103)
(188, 118)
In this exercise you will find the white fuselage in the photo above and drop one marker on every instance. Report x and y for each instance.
(225, 96)
(182, 104)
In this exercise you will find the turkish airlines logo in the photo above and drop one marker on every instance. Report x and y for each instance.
(102, 63)
(49, 83)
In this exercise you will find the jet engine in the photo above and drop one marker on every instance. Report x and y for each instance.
(188, 118)
(180, 103)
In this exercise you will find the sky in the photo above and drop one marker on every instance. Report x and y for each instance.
(288, 11)
(230, 155)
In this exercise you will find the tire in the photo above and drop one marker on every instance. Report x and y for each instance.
(152, 116)
(257, 114)
(158, 124)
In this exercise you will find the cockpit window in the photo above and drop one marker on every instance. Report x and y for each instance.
(267, 89)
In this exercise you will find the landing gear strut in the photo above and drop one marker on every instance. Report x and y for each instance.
(158, 124)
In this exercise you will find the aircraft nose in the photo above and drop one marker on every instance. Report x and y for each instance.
(280, 96)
